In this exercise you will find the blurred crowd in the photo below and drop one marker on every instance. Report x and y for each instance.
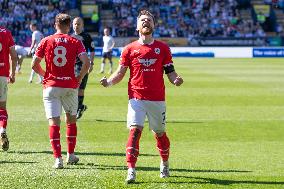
(16, 15)
(174, 18)
(186, 18)
(279, 3)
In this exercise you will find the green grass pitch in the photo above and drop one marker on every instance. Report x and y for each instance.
(226, 125)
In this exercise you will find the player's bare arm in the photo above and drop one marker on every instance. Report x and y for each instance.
(37, 67)
(113, 43)
(174, 78)
(32, 46)
(115, 78)
(92, 57)
(14, 59)
(86, 66)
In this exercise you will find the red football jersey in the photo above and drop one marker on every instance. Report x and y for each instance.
(60, 52)
(146, 63)
(6, 41)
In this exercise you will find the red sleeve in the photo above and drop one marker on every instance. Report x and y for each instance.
(81, 49)
(168, 56)
(11, 40)
(40, 49)
(125, 57)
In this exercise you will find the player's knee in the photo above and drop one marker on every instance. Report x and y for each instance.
(136, 127)
(70, 119)
(3, 105)
(158, 133)
(54, 121)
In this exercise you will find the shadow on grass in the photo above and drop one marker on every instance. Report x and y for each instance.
(81, 153)
(20, 162)
(106, 167)
(124, 121)
(203, 180)
(111, 154)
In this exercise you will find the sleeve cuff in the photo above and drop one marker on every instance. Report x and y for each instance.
(81, 54)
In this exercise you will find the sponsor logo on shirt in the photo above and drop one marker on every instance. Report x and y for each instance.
(149, 70)
(63, 78)
(157, 50)
(147, 62)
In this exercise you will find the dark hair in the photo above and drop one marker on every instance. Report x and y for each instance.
(33, 24)
(146, 12)
(63, 19)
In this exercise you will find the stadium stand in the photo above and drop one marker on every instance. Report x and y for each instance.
(184, 18)
(175, 18)
(16, 15)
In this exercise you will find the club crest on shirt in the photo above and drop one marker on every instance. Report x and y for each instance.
(147, 62)
(157, 50)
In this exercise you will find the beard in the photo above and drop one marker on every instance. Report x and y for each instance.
(146, 29)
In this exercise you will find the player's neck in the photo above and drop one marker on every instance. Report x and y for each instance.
(61, 32)
(145, 39)
(78, 33)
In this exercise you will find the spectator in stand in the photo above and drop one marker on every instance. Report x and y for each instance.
(17, 14)
(210, 18)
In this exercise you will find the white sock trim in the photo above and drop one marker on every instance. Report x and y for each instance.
(2, 130)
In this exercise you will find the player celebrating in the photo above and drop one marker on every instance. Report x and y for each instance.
(147, 59)
(60, 84)
(37, 36)
(7, 47)
(78, 26)
(107, 50)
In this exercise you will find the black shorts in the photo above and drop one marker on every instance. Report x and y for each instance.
(78, 67)
(107, 55)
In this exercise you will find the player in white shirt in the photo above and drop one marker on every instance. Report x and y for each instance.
(22, 53)
(37, 36)
(107, 49)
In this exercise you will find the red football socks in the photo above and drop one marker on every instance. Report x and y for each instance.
(71, 134)
(163, 145)
(3, 118)
(54, 136)
(132, 147)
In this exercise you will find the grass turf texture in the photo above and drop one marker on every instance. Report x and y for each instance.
(225, 124)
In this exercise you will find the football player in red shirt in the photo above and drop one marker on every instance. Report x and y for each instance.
(60, 84)
(147, 60)
(7, 50)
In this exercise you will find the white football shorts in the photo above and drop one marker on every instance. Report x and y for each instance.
(154, 110)
(54, 98)
(21, 50)
(3, 88)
